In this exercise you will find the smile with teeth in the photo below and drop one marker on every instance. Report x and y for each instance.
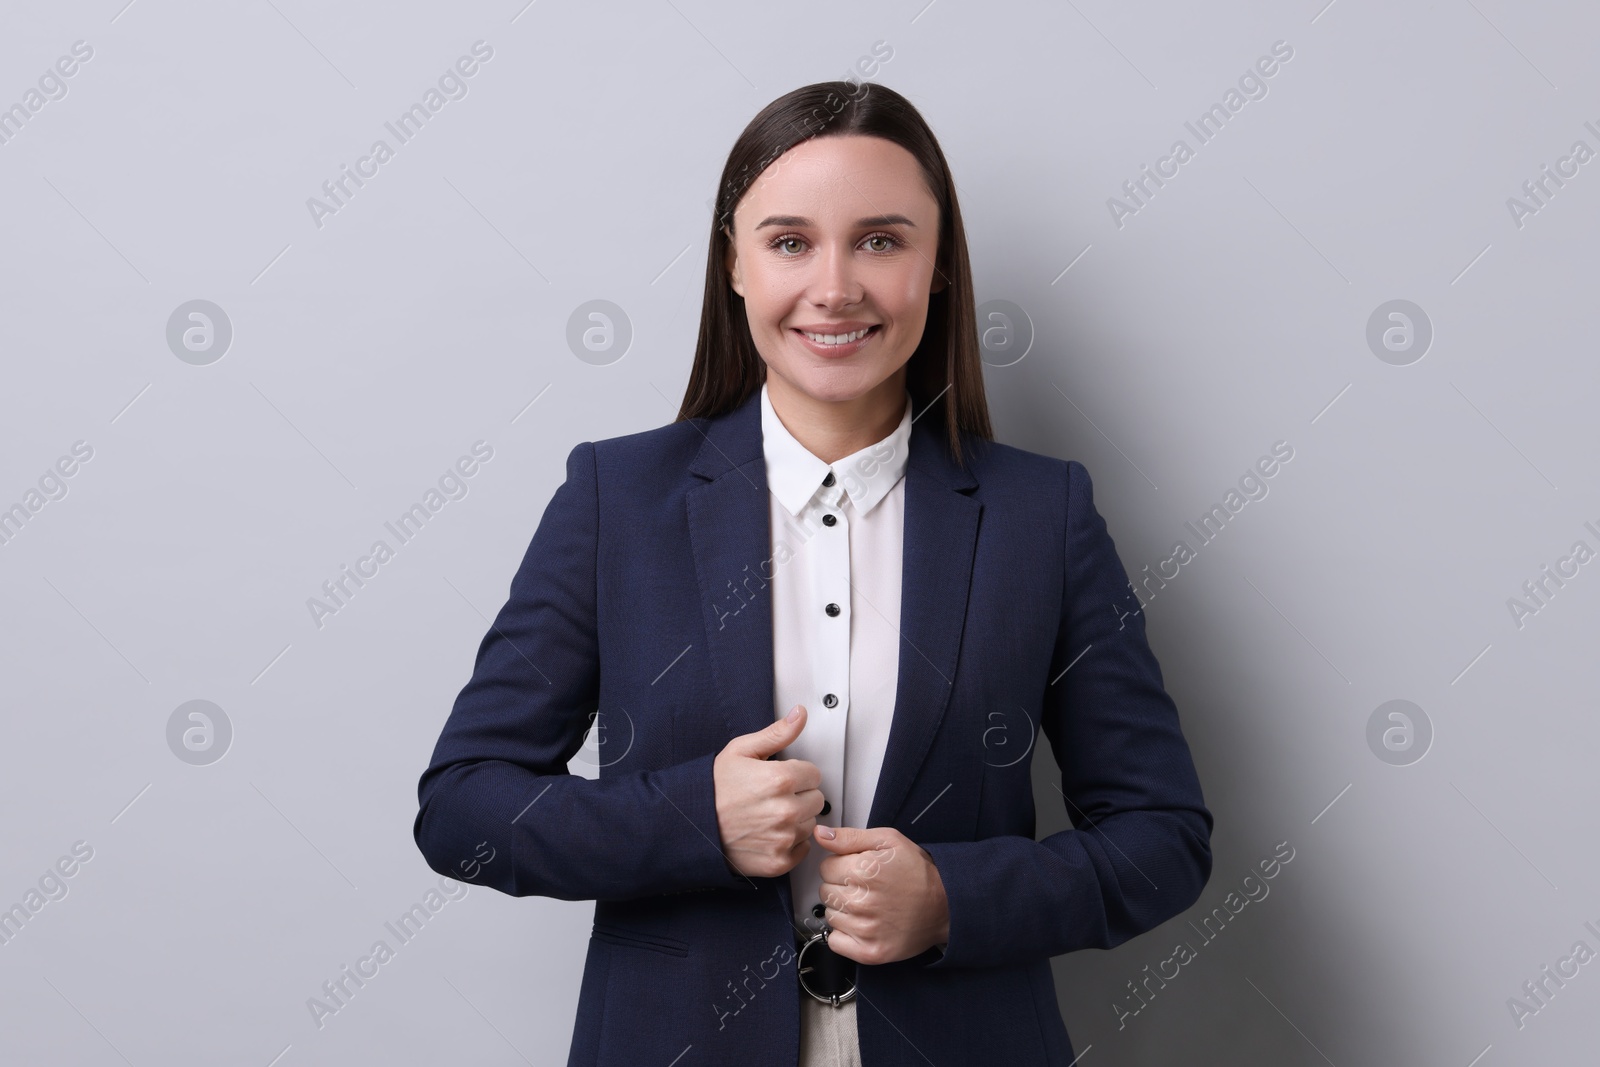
(838, 338)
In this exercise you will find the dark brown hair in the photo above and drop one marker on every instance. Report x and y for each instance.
(946, 364)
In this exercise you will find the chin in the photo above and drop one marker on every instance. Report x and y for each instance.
(836, 385)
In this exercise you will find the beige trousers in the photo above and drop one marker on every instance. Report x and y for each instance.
(828, 1034)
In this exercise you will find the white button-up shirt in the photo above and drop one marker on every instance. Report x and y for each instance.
(836, 617)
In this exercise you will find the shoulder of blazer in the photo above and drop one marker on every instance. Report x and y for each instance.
(1005, 468)
(647, 455)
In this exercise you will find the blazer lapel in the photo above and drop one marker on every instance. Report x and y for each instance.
(730, 532)
(941, 533)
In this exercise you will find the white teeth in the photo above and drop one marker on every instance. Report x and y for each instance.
(837, 338)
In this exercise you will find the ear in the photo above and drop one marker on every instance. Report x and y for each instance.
(939, 280)
(730, 262)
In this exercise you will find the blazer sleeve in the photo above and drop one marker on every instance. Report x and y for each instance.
(1139, 851)
(499, 778)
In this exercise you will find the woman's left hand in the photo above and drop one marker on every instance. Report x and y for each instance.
(885, 900)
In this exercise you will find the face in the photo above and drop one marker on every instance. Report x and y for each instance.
(839, 235)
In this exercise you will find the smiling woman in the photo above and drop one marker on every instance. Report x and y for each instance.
(859, 201)
(808, 597)
(797, 274)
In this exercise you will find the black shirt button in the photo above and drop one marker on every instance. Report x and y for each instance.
(819, 910)
(829, 520)
(829, 479)
(830, 701)
(832, 609)
(827, 806)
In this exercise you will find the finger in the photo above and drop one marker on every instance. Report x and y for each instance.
(813, 798)
(846, 945)
(770, 740)
(849, 839)
(807, 775)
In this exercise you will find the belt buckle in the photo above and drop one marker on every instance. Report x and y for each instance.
(824, 962)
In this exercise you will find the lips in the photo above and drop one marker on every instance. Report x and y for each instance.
(837, 351)
(840, 330)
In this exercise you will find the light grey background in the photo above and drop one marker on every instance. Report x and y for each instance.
(431, 312)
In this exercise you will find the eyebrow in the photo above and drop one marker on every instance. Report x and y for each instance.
(801, 221)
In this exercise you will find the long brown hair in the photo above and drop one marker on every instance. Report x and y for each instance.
(947, 364)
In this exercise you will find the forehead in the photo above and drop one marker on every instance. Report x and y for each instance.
(830, 179)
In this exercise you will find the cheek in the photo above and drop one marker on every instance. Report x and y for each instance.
(908, 302)
(910, 286)
(767, 297)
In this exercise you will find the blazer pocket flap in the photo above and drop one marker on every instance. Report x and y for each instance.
(620, 935)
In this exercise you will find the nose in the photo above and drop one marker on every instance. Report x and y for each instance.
(836, 284)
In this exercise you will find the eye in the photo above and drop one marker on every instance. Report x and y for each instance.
(780, 244)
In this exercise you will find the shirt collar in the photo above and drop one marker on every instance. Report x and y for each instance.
(794, 474)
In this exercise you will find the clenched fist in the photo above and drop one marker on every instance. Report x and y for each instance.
(766, 808)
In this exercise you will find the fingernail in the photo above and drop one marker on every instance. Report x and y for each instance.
(794, 713)
(828, 832)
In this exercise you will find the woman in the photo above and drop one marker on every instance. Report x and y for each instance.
(818, 621)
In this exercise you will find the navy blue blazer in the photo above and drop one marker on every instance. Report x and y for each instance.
(645, 595)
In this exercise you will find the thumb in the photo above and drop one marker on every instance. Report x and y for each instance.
(770, 740)
(846, 839)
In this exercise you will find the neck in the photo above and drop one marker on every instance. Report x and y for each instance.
(834, 429)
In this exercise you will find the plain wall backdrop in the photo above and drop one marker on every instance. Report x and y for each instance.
(1381, 257)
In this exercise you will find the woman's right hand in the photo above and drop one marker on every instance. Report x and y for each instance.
(766, 809)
